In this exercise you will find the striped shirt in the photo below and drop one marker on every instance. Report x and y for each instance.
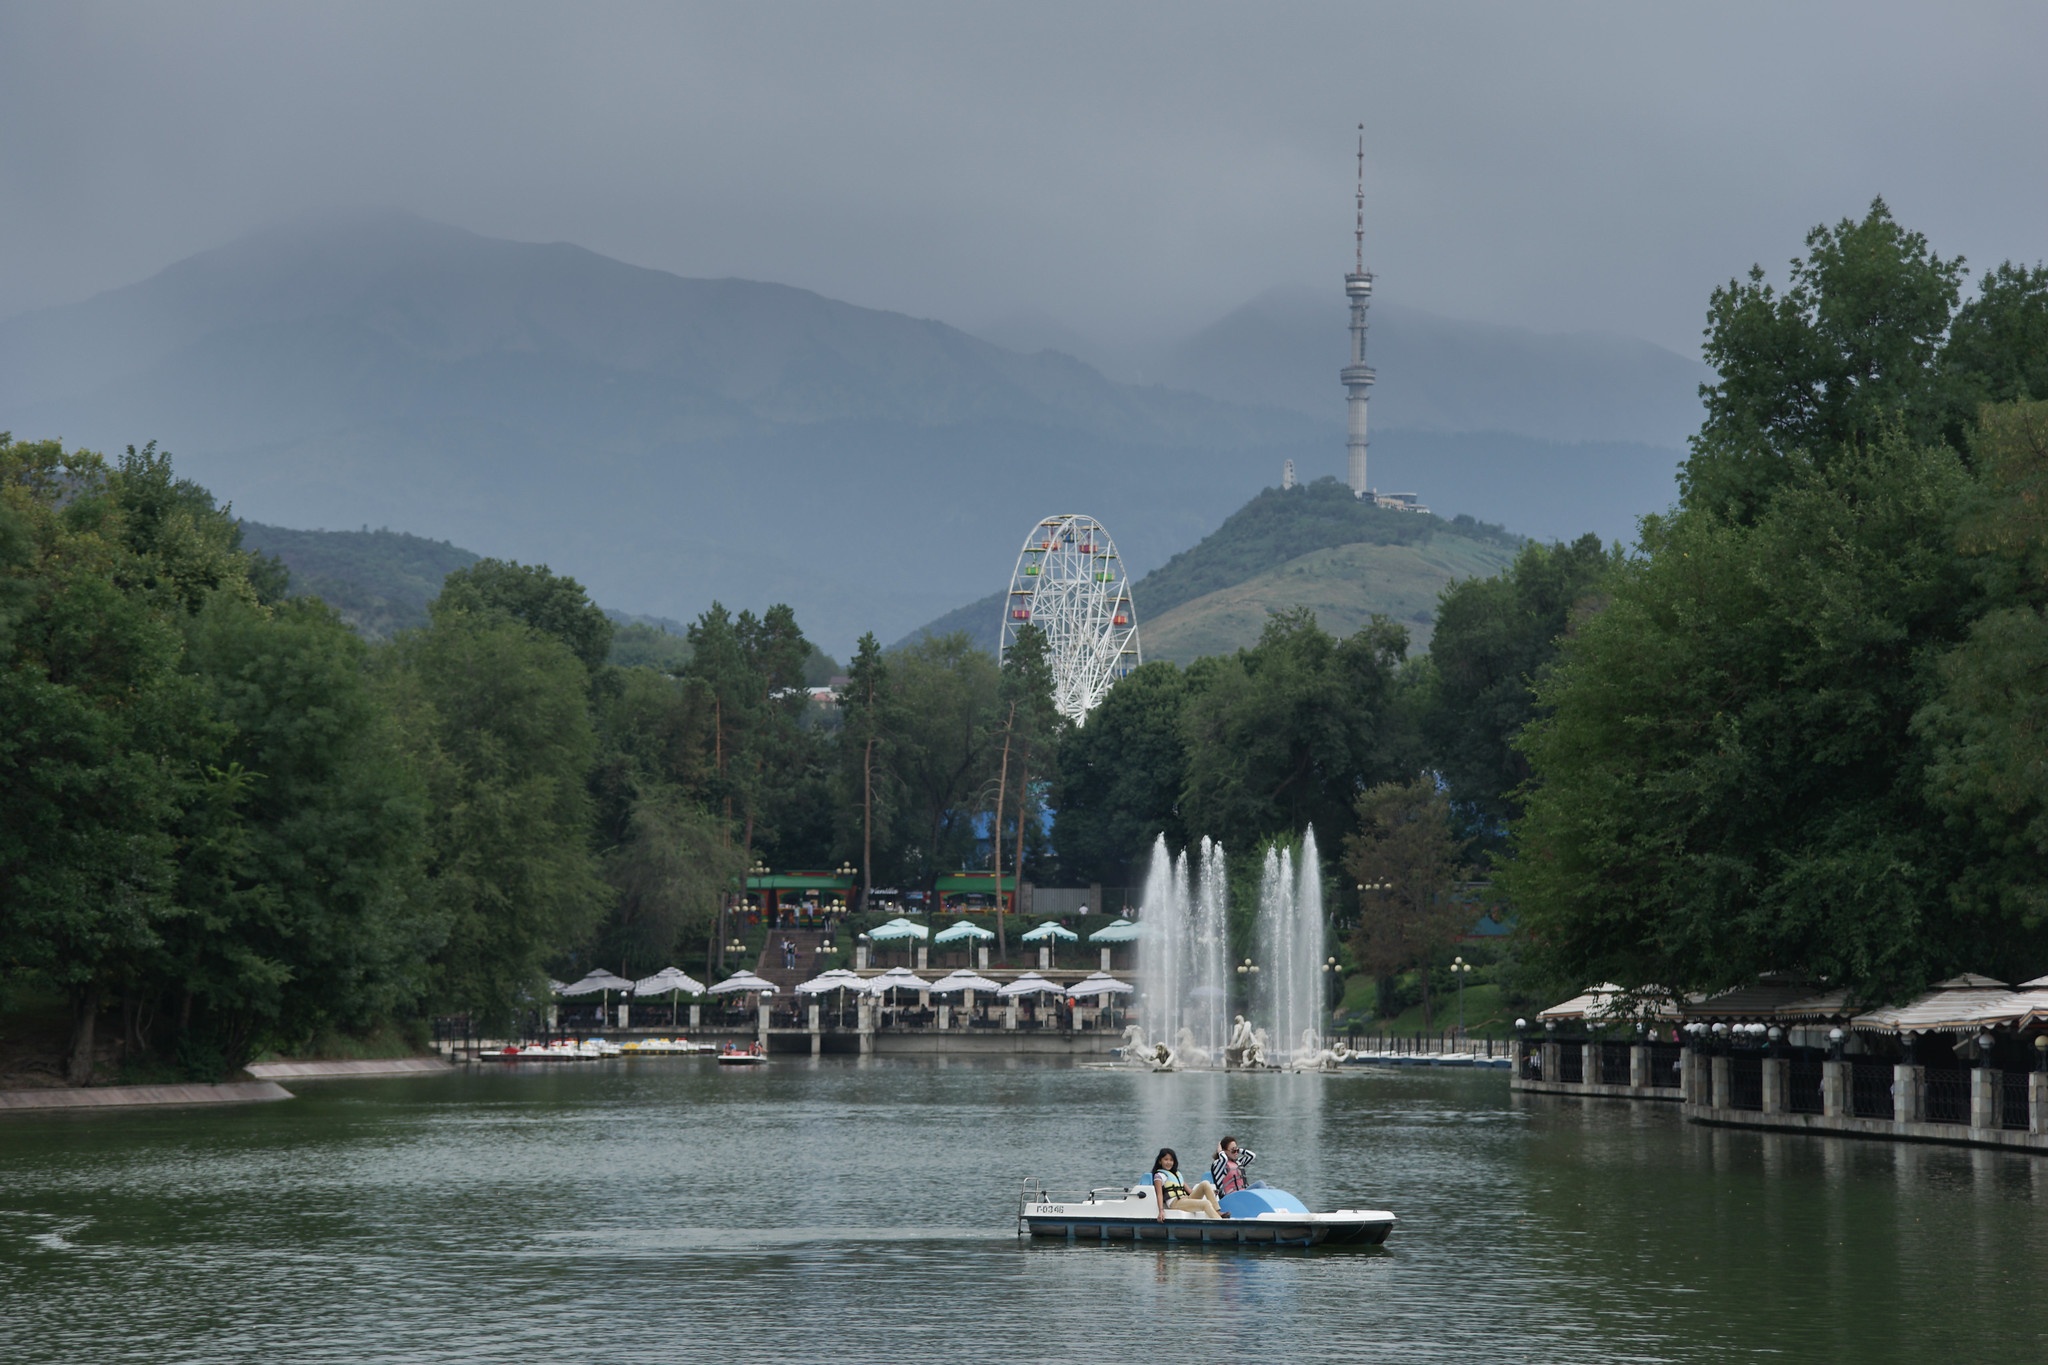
(1227, 1173)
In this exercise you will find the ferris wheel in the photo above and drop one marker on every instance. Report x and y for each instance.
(1071, 584)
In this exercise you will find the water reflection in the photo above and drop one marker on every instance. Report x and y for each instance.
(863, 1209)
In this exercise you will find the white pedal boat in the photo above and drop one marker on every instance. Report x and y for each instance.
(566, 1050)
(742, 1059)
(1258, 1217)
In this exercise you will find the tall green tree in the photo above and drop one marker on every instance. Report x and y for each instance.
(1030, 728)
(531, 594)
(1494, 637)
(1285, 734)
(1121, 776)
(1843, 354)
(867, 734)
(1987, 720)
(314, 916)
(498, 714)
(946, 692)
(1406, 856)
(104, 746)
(1727, 778)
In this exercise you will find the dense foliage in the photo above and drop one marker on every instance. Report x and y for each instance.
(1798, 734)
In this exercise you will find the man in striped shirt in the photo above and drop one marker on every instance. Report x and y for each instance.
(1227, 1171)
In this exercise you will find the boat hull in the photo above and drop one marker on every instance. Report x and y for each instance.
(1128, 1218)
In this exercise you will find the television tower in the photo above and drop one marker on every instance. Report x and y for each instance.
(1357, 376)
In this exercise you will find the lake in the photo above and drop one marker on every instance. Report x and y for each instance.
(855, 1209)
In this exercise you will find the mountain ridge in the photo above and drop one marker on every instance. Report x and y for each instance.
(672, 441)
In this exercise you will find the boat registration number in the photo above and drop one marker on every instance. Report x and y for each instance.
(1050, 1208)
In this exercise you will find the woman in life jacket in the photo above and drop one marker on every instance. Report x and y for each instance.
(1171, 1192)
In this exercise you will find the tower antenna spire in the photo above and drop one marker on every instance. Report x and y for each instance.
(1360, 232)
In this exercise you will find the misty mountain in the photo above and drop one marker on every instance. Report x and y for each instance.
(1439, 374)
(669, 441)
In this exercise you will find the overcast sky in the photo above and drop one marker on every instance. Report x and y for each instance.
(1128, 170)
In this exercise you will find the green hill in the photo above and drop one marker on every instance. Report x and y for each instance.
(1345, 586)
(1284, 524)
(380, 581)
(1313, 545)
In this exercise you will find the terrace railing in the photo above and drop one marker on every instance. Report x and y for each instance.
(1614, 1064)
(1664, 1061)
(1948, 1094)
(2014, 1111)
(1870, 1087)
(1802, 1083)
(1746, 1081)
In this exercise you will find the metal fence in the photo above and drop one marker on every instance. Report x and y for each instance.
(1572, 1064)
(1870, 1088)
(1614, 1064)
(1664, 1064)
(1746, 1082)
(1947, 1091)
(1802, 1083)
(2014, 1110)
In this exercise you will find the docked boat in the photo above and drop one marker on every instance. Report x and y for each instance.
(560, 1050)
(665, 1047)
(1258, 1217)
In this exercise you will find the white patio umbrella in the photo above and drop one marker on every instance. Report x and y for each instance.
(672, 982)
(965, 929)
(964, 981)
(1099, 983)
(838, 979)
(743, 981)
(1117, 931)
(897, 979)
(668, 981)
(598, 980)
(1031, 983)
(1050, 930)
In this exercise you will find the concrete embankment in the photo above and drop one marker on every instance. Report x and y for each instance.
(378, 1066)
(130, 1096)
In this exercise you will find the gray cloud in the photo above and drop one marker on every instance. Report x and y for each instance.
(1131, 170)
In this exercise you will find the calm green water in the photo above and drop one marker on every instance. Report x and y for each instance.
(664, 1210)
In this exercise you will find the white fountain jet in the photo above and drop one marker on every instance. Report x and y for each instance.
(1183, 955)
(1291, 931)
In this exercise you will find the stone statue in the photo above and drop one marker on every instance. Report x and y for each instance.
(1191, 1052)
(1240, 1042)
(1137, 1052)
(1164, 1058)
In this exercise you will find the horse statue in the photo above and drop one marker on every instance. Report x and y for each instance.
(1136, 1051)
(1191, 1052)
